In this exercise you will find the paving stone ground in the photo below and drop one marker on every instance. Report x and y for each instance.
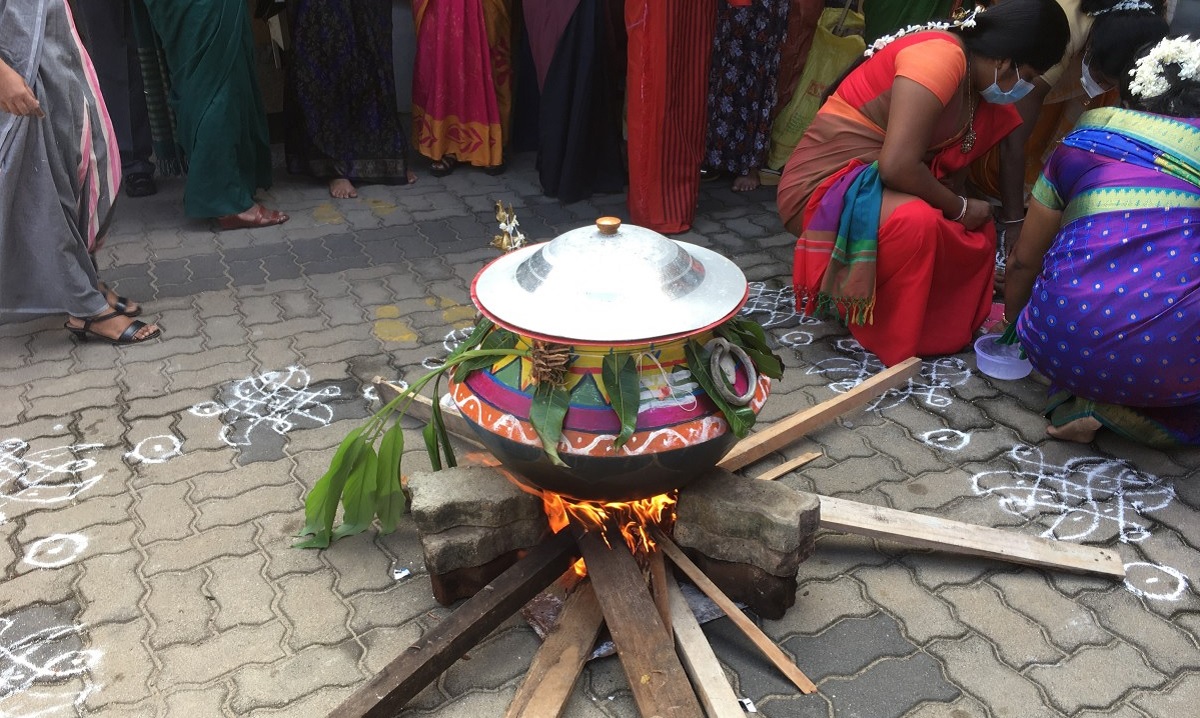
(149, 494)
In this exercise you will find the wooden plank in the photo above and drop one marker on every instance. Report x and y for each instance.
(421, 408)
(958, 537)
(658, 588)
(785, 431)
(422, 662)
(788, 466)
(701, 664)
(660, 685)
(556, 667)
(760, 640)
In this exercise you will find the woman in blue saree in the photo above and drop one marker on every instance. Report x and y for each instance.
(1105, 283)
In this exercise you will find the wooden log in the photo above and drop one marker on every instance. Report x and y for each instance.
(785, 431)
(701, 664)
(760, 640)
(556, 667)
(658, 588)
(421, 663)
(788, 466)
(958, 537)
(656, 677)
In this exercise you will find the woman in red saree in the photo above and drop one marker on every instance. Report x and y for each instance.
(462, 82)
(887, 241)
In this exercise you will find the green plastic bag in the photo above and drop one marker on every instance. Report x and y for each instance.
(837, 43)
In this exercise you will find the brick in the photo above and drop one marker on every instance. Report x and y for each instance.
(108, 590)
(239, 593)
(76, 517)
(821, 603)
(1180, 698)
(208, 701)
(1166, 647)
(766, 594)
(165, 512)
(50, 586)
(1068, 624)
(204, 661)
(890, 687)
(923, 615)
(469, 546)
(972, 664)
(194, 551)
(468, 496)
(456, 584)
(248, 506)
(180, 608)
(125, 673)
(848, 646)
(739, 520)
(283, 682)
(1095, 676)
(359, 565)
(314, 610)
(1018, 640)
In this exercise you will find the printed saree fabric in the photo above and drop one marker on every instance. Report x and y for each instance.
(918, 283)
(462, 79)
(59, 174)
(221, 122)
(1112, 318)
(341, 93)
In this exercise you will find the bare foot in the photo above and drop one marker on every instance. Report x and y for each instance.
(1081, 430)
(340, 188)
(112, 326)
(412, 176)
(747, 182)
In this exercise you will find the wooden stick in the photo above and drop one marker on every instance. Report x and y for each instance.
(551, 677)
(658, 589)
(788, 466)
(785, 431)
(761, 640)
(656, 677)
(958, 537)
(699, 661)
(423, 661)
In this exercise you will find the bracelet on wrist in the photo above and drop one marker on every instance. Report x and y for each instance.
(1012, 221)
(962, 213)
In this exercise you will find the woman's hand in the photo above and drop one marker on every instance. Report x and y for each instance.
(978, 212)
(15, 96)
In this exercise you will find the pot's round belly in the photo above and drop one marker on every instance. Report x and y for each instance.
(680, 432)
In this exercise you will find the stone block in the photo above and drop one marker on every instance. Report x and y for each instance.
(469, 496)
(465, 582)
(467, 546)
(766, 594)
(739, 520)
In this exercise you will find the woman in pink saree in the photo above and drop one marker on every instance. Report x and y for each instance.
(462, 82)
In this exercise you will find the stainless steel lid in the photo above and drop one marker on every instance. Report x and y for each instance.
(610, 283)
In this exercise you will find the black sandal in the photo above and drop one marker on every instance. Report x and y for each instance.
(495, 170)
(129, 336)
(121, 305)
(444, 166)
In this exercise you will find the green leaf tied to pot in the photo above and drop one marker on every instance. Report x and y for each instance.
(609, 364)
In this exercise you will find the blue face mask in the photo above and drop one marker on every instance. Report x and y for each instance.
(993, 94)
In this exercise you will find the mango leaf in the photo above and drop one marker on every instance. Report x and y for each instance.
(698, 359)
(390, 500)
(546, 413)
(498, 339)
(359, 496)
(431, 446)
(748, 335)
(619, 375)
(320, 507)
(482, 327)
(440, 433)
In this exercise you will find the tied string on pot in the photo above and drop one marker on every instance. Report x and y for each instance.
(672, 388)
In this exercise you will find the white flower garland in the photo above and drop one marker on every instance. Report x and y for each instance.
(968, 21)
(1149, 72)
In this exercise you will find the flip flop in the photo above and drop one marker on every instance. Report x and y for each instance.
(262, 217)
(129, 336)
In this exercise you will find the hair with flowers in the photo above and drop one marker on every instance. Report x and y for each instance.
(1165, 78)
(1122, 6)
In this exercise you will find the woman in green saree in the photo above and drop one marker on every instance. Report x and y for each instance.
(221, 121)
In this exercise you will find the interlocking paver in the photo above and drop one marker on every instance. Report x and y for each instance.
(971, 663)
(203, 661)
(195, 550)
(314, 611)
(1018, 641)
(922, 615)
(124, 673)
(1164, 646)
(108, 591)
(1095, 676)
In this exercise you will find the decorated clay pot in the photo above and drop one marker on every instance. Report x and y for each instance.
(594, 292)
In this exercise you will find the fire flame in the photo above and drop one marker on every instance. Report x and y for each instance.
(631, 518)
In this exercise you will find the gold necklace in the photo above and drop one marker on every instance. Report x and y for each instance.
(968, 140)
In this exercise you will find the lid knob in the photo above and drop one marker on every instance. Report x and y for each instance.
(608, 225)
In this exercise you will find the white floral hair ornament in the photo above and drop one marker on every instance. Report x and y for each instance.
(1149, 72)
(1125, 6)
(961, 18)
